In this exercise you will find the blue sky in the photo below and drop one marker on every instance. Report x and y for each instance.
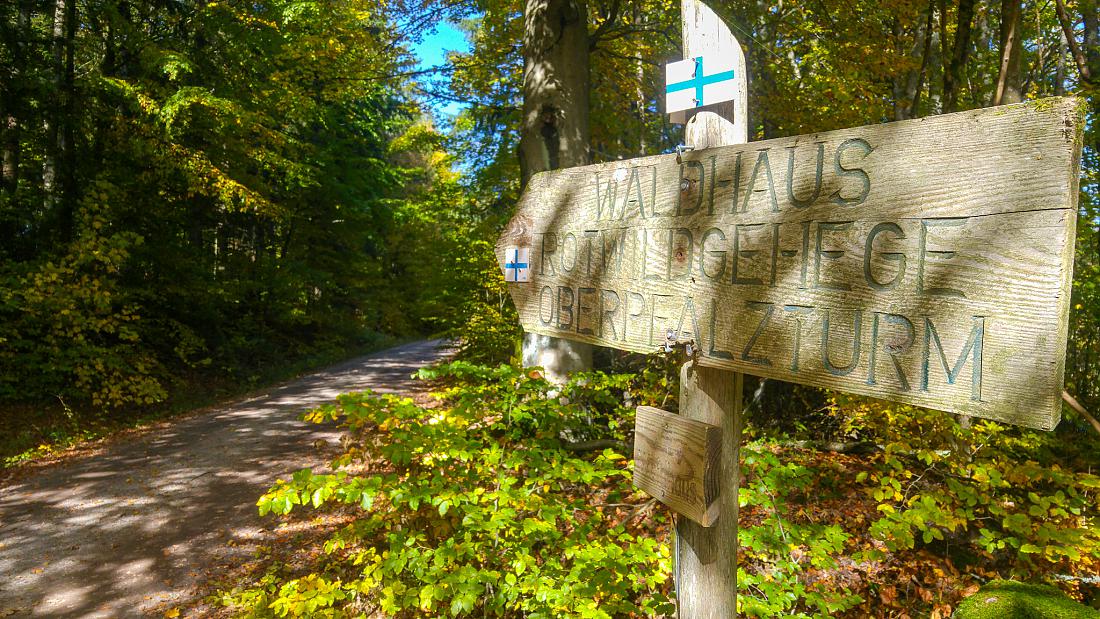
(432, 52)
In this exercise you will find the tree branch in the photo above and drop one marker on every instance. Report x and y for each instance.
(607, 52)
(471, 102)
(612, 17)
(599, 445)
(842, 447)
(1071, 39)
(1075, 405)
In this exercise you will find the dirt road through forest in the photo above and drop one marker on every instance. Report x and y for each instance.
(130, 530)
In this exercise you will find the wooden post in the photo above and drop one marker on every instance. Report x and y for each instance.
(706, 557)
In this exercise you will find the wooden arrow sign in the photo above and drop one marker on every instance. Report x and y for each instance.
(926, 261)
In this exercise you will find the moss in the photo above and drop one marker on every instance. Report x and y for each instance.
(1044, 105)
(1007, 599)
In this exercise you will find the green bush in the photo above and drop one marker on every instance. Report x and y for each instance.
(1016, 499)
(483, 319)
(778, 555)
(480, 509)
(70, 328)
(485, 507)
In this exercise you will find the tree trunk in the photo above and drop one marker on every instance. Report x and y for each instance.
(1091, 52)
(1092, 37)
(58, 182)
(639, 70)
(53, 115)
(554, 133)
(925, 59)
(9, 162)
(1060, 73)
(10, 159)
(67, 144)
(555, 86)
(960, 50)
(907, 88)
(1009, 76)
(14, 107)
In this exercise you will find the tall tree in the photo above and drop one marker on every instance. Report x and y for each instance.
(554, 132)
(1009, 78)
(909, 86)
(16, 34)
(955, 62)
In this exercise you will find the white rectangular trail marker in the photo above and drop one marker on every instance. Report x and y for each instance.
(926, 261)
(698, 82)
(517, 264)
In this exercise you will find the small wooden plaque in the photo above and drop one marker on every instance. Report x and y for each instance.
(676, 460)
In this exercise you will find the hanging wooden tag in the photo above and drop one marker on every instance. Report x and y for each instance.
(676, 461)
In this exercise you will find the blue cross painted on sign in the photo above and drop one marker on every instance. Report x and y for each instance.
(699, 81)
(517, 264)
(687, 85)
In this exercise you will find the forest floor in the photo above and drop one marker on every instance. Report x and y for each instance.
(135, 528)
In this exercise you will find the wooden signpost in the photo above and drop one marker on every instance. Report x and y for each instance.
(926, 261)
(705, 553)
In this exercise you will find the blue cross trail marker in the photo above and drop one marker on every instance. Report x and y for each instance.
(516, 270)
(689, 87)
(699, 81)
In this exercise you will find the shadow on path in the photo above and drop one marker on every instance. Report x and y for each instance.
(131, 530)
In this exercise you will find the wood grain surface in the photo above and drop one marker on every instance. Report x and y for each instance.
(676, 461)
(925, 261)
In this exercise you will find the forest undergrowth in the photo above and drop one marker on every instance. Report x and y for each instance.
(491, 503)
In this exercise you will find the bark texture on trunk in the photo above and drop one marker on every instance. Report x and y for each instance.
(52, 118)
(59, 162)
(1091, 39)
(11, 127)
(554, 134)
(908, 87)
(555, 86)
(960, 52)
(1009, 78)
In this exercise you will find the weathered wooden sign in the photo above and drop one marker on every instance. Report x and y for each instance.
(925, 261)
(676, 461)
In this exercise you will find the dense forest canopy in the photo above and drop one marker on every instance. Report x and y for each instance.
(204, 188)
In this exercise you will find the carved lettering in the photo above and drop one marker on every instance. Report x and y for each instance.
(791, 197)
(841, 171)
(972, 348)
(894, 256)
(607, 316)
(761, 163)
(746, 354)
(924, 253)
(841, 370)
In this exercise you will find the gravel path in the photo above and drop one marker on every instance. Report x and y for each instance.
(131, 531)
